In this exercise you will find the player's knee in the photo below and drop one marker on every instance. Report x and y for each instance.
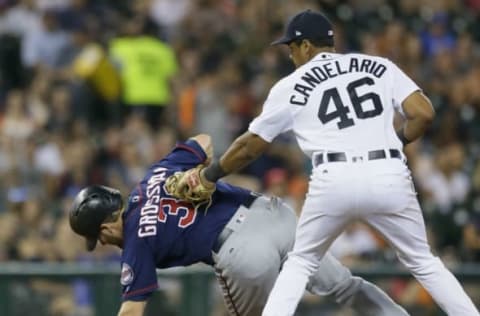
(345, 292)
(330, 276)
(342, 288)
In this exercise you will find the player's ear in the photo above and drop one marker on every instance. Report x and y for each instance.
(302, 44)
(306, 42)
(109, 228)
(103, 234)
(307, 47)
(105, 228)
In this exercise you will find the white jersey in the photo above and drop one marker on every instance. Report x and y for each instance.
(337, 102)
(346, 104)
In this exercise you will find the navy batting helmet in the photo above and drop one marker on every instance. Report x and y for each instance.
(91, 207)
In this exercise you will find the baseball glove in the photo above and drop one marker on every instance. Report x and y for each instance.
(190, 186)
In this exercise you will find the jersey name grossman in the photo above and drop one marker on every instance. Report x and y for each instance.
(147, 225)
(318, 74)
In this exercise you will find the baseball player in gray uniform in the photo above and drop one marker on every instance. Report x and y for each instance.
(341, 109)
(244, 236)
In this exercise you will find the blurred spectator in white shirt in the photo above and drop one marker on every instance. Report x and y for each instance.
(44, 47)
(169, 13)
(21, 19)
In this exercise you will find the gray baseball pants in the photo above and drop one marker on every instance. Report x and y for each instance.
(250, 260)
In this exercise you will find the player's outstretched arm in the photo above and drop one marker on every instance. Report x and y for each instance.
(419, 115)
(132, 308)
(245, 149)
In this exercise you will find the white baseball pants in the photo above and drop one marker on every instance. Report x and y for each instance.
(381, 193)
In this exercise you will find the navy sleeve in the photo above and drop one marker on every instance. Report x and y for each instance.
(138, 277)
(185, 156)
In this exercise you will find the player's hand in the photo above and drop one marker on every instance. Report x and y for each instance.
(190, 185)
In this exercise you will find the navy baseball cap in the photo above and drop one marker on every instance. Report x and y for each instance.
(307, 25)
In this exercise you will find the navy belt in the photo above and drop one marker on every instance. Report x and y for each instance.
(226, 232)
(341, 156)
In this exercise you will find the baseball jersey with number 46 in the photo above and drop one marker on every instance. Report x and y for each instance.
(328, 101)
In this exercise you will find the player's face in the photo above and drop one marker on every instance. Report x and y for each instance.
(298, 53)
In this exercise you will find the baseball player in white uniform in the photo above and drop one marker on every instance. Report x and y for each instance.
(341, 109)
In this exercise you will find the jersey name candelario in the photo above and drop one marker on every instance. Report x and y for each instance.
(318, 74)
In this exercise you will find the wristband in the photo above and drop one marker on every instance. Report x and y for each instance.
(214, 172)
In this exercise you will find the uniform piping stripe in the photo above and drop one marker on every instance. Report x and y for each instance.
(140, 191)
(232, 308)
(141, 291)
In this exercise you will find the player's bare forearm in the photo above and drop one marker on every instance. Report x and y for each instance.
(245, 149)
(419, 114)
(131, 308)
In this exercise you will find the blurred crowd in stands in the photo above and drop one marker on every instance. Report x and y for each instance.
(93, 91)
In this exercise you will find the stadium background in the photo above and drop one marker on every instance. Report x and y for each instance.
(93, 91)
